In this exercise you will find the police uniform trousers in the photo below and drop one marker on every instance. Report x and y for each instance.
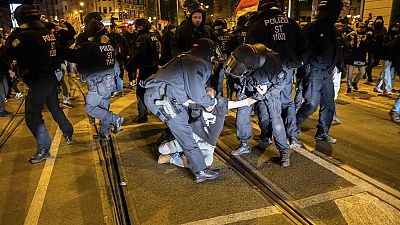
(318, 90)
(98, 103)
(244, 128)
(144, 73)
(43, 92)
(180, 128)
(3, 91)
(288, 106)
(270, 111)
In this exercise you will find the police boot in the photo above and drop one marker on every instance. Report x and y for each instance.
(294, 142)
(41, 154)
(285, 161)
(206, 174)
(244, 148)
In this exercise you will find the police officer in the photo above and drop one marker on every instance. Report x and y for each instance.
(169, 92)
(263, 76)
(322, 56)
(145, 58)
(95, 60)
(227, 43)
(284, 36)
(193, 29)
(34, 47)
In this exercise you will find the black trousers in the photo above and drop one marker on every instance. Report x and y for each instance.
(44, 92)
(144, 73)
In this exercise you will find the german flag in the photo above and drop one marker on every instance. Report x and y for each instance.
(245, 6)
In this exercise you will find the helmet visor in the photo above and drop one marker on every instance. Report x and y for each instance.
(235, 68)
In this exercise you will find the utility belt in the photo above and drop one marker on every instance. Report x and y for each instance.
(103, 85)
(168, 105)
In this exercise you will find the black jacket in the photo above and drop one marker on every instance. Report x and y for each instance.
(166, 48)
(146, 53)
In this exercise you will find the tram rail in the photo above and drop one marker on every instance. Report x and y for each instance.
(12, 125)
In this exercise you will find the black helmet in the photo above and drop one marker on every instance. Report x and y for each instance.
(205, 48)
(92, 16)
(193, 6)
(246, 59)
(143, 23)
(220, 24)
(267, 5)
(329, 9)
(26, 13)
(95, 28)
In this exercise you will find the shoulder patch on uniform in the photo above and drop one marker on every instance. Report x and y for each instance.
(15, 43)
(200, 73)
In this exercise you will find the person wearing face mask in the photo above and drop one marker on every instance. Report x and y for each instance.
(359, 43)
(193, 29)
(170, 91)
(322, 55)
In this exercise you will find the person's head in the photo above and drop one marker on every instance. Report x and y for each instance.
(92, 16)
(339, 26)
(220, 25)
(268, 7)
(95, 30)
(205, 48)
(245, 59)
(196, 13)
(361, 27)
(50, 26)
(329, 10)
(26, 14)
(142, 24)
(171, 27)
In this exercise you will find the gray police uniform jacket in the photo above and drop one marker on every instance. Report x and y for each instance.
(186, 76)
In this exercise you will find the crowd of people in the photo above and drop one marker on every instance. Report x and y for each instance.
(179, 75)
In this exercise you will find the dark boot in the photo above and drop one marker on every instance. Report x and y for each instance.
(244, 148)
(285, 161)
(40, 155)
(206, 174)
(325, 137)
(264, 143)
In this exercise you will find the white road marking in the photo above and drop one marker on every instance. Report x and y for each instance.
(237, 217)
(365, 209)
(35, 208)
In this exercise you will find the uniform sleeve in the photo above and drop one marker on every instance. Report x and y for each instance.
(12, 47)
(301, 38)
(195, 78)
(140, 50)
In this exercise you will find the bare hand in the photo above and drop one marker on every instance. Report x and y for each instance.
(211, 92)
(262, 89)
(210, 108)
(12, 73)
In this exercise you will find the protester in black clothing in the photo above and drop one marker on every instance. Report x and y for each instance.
(35, 49)
(193, 29)
(377, 31)
(3, 81)
(130, 36)
(166, 45)
(95, 60)
(145, 58)
(321, 57)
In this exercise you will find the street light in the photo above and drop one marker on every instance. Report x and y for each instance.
(81, 4)
(80, 12)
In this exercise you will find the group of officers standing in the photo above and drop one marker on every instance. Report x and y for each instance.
(260, 59)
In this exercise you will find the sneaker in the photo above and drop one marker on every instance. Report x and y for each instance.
(378, 90)
(5, 113)
(164, 159)
(5, 100)
(336, 120)
(118, 124)
(68, 139)
(114, 94)
(206, 174)
(388, 93)
(294, 142)
(354, 85)
(285, 159)
(101, 137)
(244, 148)
(394, 116)
(41, 155)
(67, 104)
(348, 90)
(19, 95)
(325, 137)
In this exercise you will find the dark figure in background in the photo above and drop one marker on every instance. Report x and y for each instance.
(227, 43)
(166, 45)
(95, 60)
(263, 78)
(35, 49)
(82, 37)
(145, 58)
(169, 92)
(284, 36)
(130, 36)
(193, 29)
(322, 56)
(3, 81)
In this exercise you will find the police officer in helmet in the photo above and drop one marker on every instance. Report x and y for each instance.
(95, 61)
(35, 49)
(263, 78)
(322, 55)
(169, 92)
